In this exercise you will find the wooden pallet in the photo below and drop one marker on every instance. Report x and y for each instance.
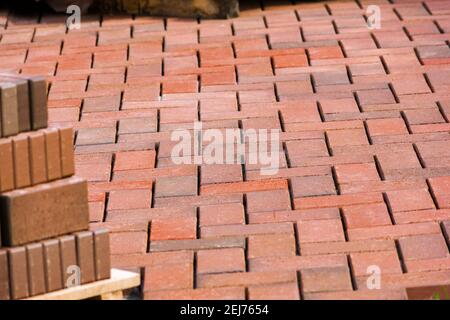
(109, 289)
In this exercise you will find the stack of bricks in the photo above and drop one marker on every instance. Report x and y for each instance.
(46, 244)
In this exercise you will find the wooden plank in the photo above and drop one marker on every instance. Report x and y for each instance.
(120, 280)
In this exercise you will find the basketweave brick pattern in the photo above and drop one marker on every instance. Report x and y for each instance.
(364, 173)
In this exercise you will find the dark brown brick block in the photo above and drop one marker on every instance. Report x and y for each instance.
(23, 102)
(9, 112)
(44, 211)
(38, 102)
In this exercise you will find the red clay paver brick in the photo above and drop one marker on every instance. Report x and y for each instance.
(220, 261)
(222, 214)
(320, 231)
(326, 279)
(423, 247)
(364, 150)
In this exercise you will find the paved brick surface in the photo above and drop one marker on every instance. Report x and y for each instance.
(364, 175)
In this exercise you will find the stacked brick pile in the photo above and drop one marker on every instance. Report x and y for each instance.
(44, 213)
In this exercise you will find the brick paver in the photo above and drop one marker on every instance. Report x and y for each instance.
(364, 173)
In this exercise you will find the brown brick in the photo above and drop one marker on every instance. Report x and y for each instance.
(220, 260)
(326, 279)
(423, 247)
(282, 291)
(271, 245)
(18, 273)
(85, 255)
(38, 97)
(7, 167)
(197, 244)
(44, 211)
(9, 122)
(36, 273)
(38, 159)
(52, 147)
(21, 153)
(52, 260)
(4, 275)
(102, 254)
(23, 101)
(67, 157)
(222, 214)
(244, 279)
(68, 252)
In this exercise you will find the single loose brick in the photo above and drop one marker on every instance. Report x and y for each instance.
(282, 291)
(220, 260)
(176, 186)
(409, 200)
(423, 247)
(290, 263)
(169, 277)
(173, 228)
(347, 173)
(197, 244)
(312, 186)
(387, 261)
(326, 279)
(261, 201)
(364, 216)
(320, 231)
(249, 229)
(244, 279)
(222, 214)
(271, 245)
(129, 199)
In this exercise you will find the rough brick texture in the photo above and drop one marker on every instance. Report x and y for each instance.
(364, 153)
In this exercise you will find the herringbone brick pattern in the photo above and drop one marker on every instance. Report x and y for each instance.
(365, 159)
